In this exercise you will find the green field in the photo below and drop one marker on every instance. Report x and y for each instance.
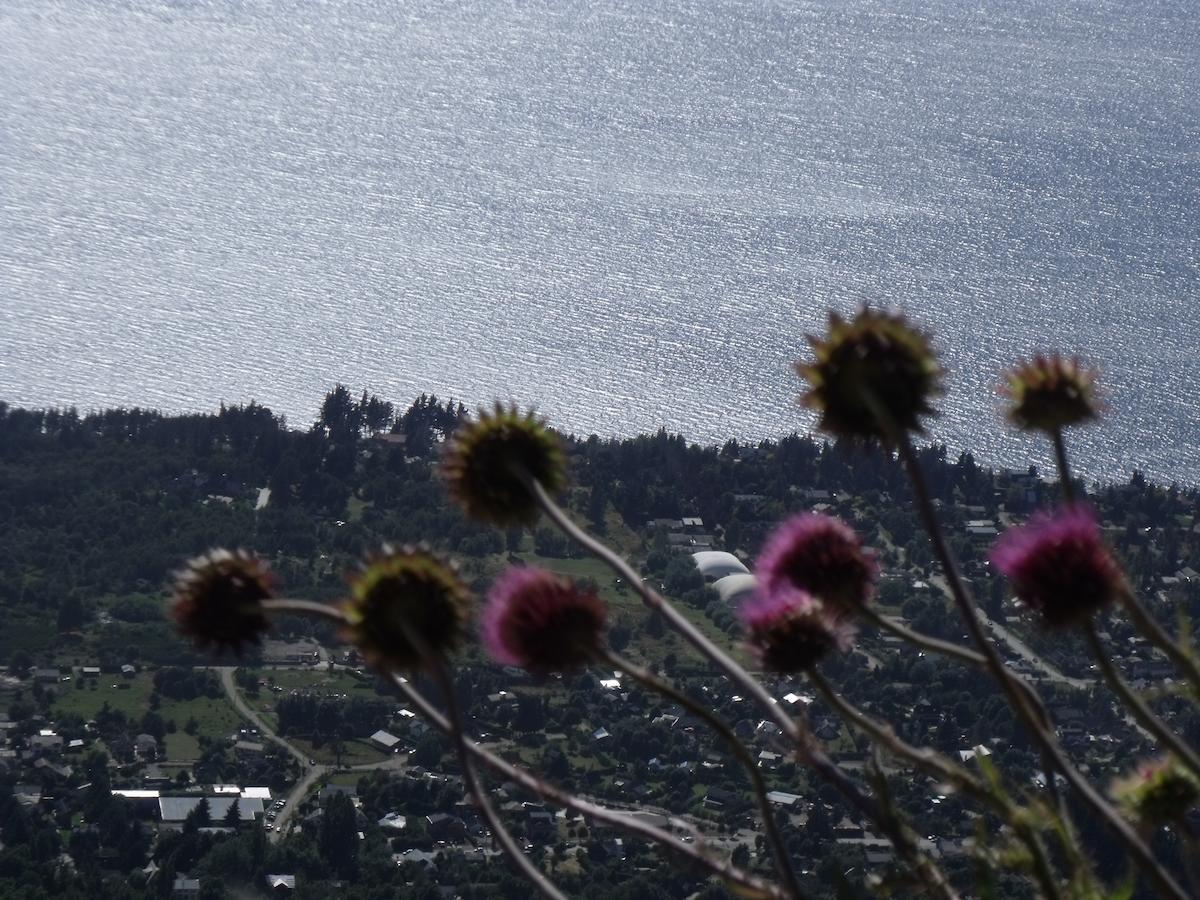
(354, 752)
(347, 778)
(128, 695)
(315, 680)
(215, 718)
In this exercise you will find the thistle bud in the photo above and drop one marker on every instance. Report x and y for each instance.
(487, 457)
(218, 599)
(400, 592)
(541, 622)
(876, 362)
(1158, 792)
(1050, 392)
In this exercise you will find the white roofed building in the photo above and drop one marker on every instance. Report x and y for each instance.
(384, 741)
(732, 588)
(716, 564)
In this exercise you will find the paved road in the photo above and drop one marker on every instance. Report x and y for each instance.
(1049, 672)
(312, 773)
(1016, 645)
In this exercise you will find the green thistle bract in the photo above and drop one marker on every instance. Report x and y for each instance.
(217, 600)
(874, 361)
(400, 592)
(1158, 792)
(1050, 392)
(486, 457)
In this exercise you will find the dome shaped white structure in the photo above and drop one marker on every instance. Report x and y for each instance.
(716, 564)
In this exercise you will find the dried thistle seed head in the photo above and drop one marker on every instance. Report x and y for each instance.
(542, 622)
(217, 600)
(1050, 392)
(1158, 792)
(875, 361)
(485, 460)
(405, 591)
(822, 556)
(790, 631)
(1059, 566)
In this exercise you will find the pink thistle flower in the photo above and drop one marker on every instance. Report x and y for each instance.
(790, 631)
(1059, 566)
(541, 622)
(822, 556)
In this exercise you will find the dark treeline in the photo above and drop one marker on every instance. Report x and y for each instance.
(97, 510)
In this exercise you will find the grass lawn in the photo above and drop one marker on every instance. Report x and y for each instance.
(181, 747)
(317, 681)
(354, 509)
(354, 753)
(214, 718)
(129, 695)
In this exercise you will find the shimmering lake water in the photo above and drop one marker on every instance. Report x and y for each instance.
(627, 212)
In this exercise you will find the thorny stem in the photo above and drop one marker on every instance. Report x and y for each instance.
(651, 681)
(1005, 678)
(1154, 632)
(1064, 471)
(1141, 711)
(934, 763)
(1145, 622)
(923, 758)
(920, 639)
(969, 656)
(437, 668)
(807, 748)
(589, 810)
(1190, 851)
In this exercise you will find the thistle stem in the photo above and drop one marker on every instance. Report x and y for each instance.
(1190, 851)
(807, 748)
(1141, 711)
(920, 639)
(593, 811)
(434, 663)
(924, 758)
(1145, 622)
(1149, 627)
(933, 763)
(1064, 470)
(648, 679)
(1005, 678)
(969, 656)
(502, 834)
